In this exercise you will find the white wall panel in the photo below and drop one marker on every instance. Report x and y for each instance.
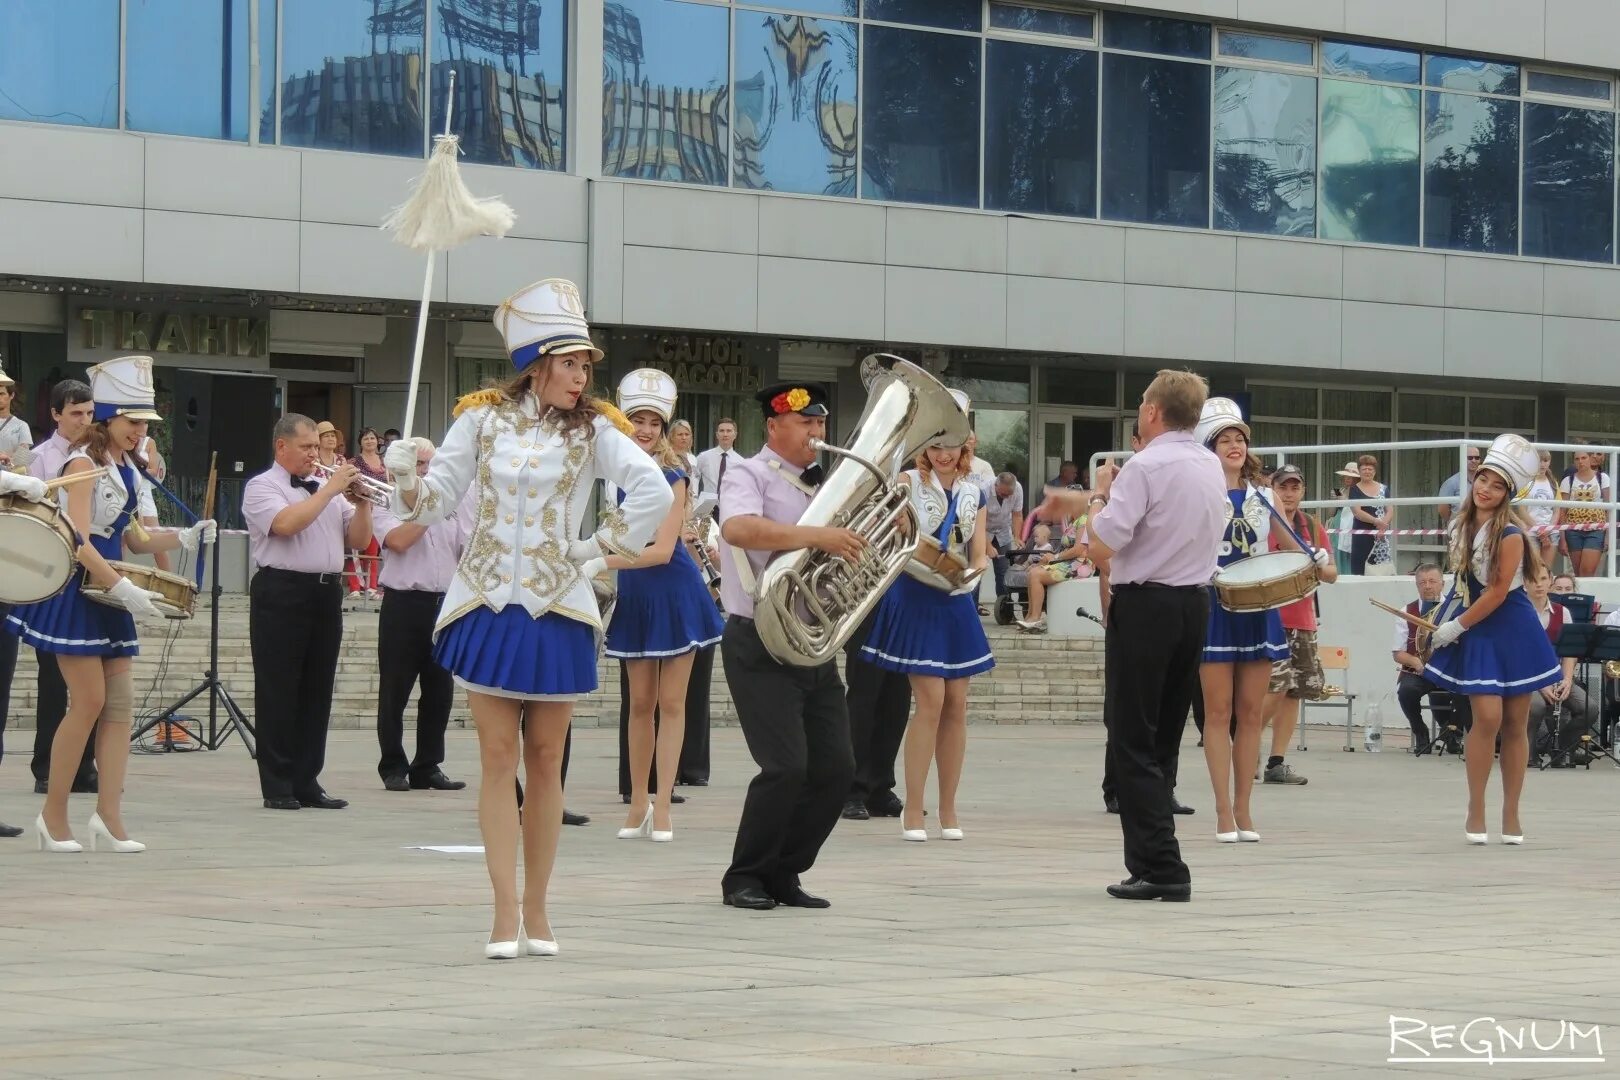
(1042, 247)
(1290, 268)
(693, 218)
(1055, 315)
(32, 311)
(204, 176)
(68, 240)
(74, 165)
(604, 292)
(1493, 284)
(486, 270)
(699, 290)
(1327, 15)
(1493, 345)
(1508, 27)
(945, 306)
(1187, 259)
(815, 298)
(1583, 32)
(359, 260)
(1179, 324)
(1581, 291)
(834, 229)
(1394, 277)
(353, 189)
(1385, 338)
(221, 252)
(945, 238)
(1580, 351)
(548, 205)
(1288, 331)
(1214, 9)
(1421, 22)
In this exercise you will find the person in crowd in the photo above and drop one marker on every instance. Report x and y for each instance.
(1544, 489)
(1369, 511)
(1566, 699)
(1004, 523)
(1070, 561)
(713, 462)
(1492, 647)
(390, 437)
(519, 624)
(32, 489)
(879, 703)
(663, 616)
(1411, 650)
(1584, 546)
(331, 444)
(1565, 584)
(1452, 487)
(680, 441)
(157, 470)
(298, 529)
(14, 432)
(367, 563)
(73, 412)
(1068, 476)
(1344, 525)
(1299, 677)
(416, 575)
(95, 642)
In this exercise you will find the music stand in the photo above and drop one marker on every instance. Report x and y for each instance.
(1579, 605)
(1587, 643)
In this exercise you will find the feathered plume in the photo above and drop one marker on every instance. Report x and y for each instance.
(441, 212)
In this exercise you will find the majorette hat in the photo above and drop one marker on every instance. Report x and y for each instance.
(1219, 414)
(1513, 459)
(544, 318)
(648, 388)
(123, 387)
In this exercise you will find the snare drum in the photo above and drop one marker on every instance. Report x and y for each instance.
(37, 550)
(176, 596)
(1265, 582)
(938, 567)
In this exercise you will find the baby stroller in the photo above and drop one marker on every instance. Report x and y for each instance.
(1021, 559)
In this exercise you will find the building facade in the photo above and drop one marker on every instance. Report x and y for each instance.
(1369, 219)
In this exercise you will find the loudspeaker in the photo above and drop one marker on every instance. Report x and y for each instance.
(228, 411)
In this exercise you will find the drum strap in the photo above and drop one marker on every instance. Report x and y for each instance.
(1304, 545)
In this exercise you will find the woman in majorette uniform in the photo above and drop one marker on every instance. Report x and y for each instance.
(518, 628)
(935, 637)
(93, 642)
(663, 616)
(1239, 647)
(1492, 647)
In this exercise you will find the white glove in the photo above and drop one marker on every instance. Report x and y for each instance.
(591, 569)
(582, 551)
(29, 487)
(400, 460)
(1447, 633)
(135, 600)
(1322, 558)
(204, 530)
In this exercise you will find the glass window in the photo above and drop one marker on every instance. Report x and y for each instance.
(795, 104)
(267, 71)
(351, 75)
(1136, 384)
(1568, 183)
(1470, 173)
(1489, 416)
(1278, 50)
(1287, 402)
(1040, 129)
(851, 8)
(1576, 86)
(59, 61)
(1036, 20)
(1446, 410)
(666, 70)
(1265, 152)
(1369, 406)
(1152, 34)
(1593, 418)
(187, 68)
(1004, 441)
(1068, 385)
(949, 14)
(1464, 73)
(1370, 169)
(921, 93)
(1004, 383)
(1155, 141)
(511, 83)
(1369, 62)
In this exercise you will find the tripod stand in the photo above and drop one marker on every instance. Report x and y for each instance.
(1587, 644)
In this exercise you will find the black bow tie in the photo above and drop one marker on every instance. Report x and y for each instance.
(813, 475)
(308, 485)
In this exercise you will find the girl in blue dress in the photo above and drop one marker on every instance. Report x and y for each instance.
(663, 616)
(1492, 647)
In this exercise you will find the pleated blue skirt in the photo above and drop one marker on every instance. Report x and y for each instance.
(1505, 655)
(70, 624)
(922, 631)
(509, 653)
(1235, 637)
(663, 611)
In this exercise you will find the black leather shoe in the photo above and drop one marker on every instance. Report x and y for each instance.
(885, 806)
(675, 797)
(322, 801)
(751, 897)
(793, 896)
(41, 787)
(437, 781)
(855, 810)
(396, 782)
(87, 784)
(692, 781)
(1111, 805)
(10, 830)
(571, 818)
(1139, 889)
(285, 802)
(1179, 807)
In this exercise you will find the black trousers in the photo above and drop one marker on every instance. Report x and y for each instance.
(8, 669)
(404, 655)
(1155, 639)
(1170, 766)
(797, 730)
(1410, 691)
(50, 706)
(879, 705)
(295, 626)
(694, 762)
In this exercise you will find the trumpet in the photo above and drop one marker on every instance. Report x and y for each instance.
(364, 487)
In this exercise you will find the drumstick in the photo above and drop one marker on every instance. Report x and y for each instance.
(208, 506)
(1416, 620)
(74, 478)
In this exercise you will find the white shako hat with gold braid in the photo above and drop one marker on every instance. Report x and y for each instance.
(544, 318)
(123, 387)
(1219, 414)
(1513, 459)
(648, 388)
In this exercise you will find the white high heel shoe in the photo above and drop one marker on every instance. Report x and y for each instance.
(949, 834)
(644, 829)
(1513, 839)
(504, 950)
(1248, 836)
(1477, 837)
(61, 847)
(917, 836)
(100, 832)
(660, 836)
(540, 947)
(1226, 837)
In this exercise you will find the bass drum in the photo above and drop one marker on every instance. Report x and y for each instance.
(37, 550)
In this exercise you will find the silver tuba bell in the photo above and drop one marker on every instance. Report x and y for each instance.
(808, 603)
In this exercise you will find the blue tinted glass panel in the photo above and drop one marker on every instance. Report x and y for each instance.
(1547, 82)
(510, 84)
(1151, 34)
(1370, 167)
(1568, 183)
(267, 71)
(850, 8)
(59, 61)
(1265, 152)
(1480, 76)
(1471, 173)
(1369, 62)
(949, 14)
(796, 109)
(666, 72)
(1155, 141)
(1041, 20)
(187, 68)
(1266, 47)
(1040, 129)
(921, 98)
(351, 75)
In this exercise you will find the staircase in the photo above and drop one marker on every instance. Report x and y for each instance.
(1037, 679)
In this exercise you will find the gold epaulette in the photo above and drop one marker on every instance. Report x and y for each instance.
(612, 415)
(477, 399)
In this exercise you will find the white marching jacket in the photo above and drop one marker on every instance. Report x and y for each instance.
(532, 486)
(929, 502)
(109, 496)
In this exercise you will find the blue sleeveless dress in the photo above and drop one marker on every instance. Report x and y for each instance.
(69, 623)
(1505, 655)
(663, 610)
(1235, 637)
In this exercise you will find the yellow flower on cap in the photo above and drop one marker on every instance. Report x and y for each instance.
(798, 398)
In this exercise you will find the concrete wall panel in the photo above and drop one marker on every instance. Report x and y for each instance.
(1289, 268)
(1583, 32)
(976, 242)
(353, 189)
(1579, 351)
(202, 176)
(1288, 331)
(1179, 324)
(1388, 276)
(359, 260)
(1041, 247)
(56, 239)
(1325, 15)
(1055, 315)
(486, 270)
(842, 231)
(700, 290)
(604, 292)
(1493, 284)
(1508, 27)
(548, 205)
(1421, 22)
(691, 218)
(72, 165)
(1189, 260)
(1584, 292)
(937, 306)
(1493, 345)
(813, 298)
(221, 251)
(1383, 338)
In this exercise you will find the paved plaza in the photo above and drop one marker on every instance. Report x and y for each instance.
(247, 943)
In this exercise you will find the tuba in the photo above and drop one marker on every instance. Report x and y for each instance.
(808, 603)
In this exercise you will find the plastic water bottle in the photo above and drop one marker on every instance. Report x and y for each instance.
(1373, 732)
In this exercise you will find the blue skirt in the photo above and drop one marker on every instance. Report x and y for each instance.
(70, 624)
(919, 630)
(1236, 637)
(1506, 655)
(663, 611)
(510, 653)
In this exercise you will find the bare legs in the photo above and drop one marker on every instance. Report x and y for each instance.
(112, 743)
(545, 731)
(1037, 596)
(1509, 717)
(656, 685)
(1233, 689)
(937, 731)
(86, 681)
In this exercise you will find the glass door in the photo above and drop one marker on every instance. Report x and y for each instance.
(1056, 447)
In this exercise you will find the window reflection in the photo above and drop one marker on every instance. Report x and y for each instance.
(187, 67)
(1548, 82)
(1266, 47)
(948, 14)
(1155, 141)
(1035, 20)
(1479, 76)
(666, 67)
(921, 120)
(59, 61)
(1265, 152)
(1040, 129)
(1568, 183)
(510, 86)
(1153, 34)
(851, 8)
(1370, 170)
(351, 75)
(1369, 62)
(796, 104)
(1471, 173)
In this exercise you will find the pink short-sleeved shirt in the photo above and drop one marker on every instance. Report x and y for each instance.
(756, 487)
(1166, 514)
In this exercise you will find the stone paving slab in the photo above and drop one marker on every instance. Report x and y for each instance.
(248, 943)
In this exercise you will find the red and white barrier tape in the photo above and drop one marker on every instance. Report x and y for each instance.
(1535, 529)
